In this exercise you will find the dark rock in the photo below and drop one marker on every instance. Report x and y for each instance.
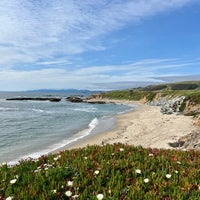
(34, 99)
(176, 144)
(74, 99)
(96, 102)
(54, 99)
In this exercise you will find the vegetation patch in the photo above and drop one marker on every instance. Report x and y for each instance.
(154, 87)
(108, 172)
(184, 86)
(182, 107)
(134, 95)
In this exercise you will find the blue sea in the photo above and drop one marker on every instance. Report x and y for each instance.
(29, 129)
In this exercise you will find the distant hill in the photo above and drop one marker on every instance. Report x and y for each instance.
(187, 85)
(68, 91)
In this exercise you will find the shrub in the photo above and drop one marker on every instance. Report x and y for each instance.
(184, 86)
(154, 87)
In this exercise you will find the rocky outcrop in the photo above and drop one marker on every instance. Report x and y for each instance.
(95, 102)
(191, 108)
(190, 141)
(169, 106)
(74, 99)
(34, 99)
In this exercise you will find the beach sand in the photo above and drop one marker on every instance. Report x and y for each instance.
(146, 126)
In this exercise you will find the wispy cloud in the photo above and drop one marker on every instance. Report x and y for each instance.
(54, 62)
(143, 72)
(37, 31)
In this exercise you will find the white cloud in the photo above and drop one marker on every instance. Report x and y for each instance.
(98, 77)
(32, 31)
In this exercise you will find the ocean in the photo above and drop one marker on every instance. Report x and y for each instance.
(29, 129)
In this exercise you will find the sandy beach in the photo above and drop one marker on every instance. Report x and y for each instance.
(146, 126)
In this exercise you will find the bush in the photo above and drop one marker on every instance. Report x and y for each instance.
(154, 87)
(184, 86)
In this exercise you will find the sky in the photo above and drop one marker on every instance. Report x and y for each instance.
(97, 44)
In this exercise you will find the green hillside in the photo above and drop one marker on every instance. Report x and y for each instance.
(191, 90)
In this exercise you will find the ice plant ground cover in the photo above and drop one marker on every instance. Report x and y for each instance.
(49, 178)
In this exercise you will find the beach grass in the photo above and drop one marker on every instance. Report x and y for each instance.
(105, 172)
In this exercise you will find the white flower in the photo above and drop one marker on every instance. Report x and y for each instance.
(85, 157)
(9, 198)
(150, 155)
(113, 154)
(13, 181)
(138, 171)
(184, 149)
(56, 158)
(178, 162)
(176, 171)
(168, 175)
(3, 164)
(54, 191)
(146, 180)
(121, 149)
(99, 196)
(68, 193)
(96, 172)
(70, 183)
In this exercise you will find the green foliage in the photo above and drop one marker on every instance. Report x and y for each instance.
(134, 95)
(182, 107)
(193, 97)
(154, 87)
(184, 86)
(109, 170)
(138, 94)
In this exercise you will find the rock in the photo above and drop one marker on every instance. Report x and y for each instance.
(74, 99)
(34, 99)
(168, 106)
(55, 99)
(96, 102)
(190, 141)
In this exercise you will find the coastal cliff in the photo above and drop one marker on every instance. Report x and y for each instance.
(177, 98)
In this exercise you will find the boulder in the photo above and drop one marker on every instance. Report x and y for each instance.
(74, 99)
(169, 106)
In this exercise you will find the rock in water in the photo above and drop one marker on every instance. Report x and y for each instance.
(74, 99)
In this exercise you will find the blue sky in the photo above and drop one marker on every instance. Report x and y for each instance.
(97, 44)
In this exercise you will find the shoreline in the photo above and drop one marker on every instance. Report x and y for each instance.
(145, 126)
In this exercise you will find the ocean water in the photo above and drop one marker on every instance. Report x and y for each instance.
(34, 128)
